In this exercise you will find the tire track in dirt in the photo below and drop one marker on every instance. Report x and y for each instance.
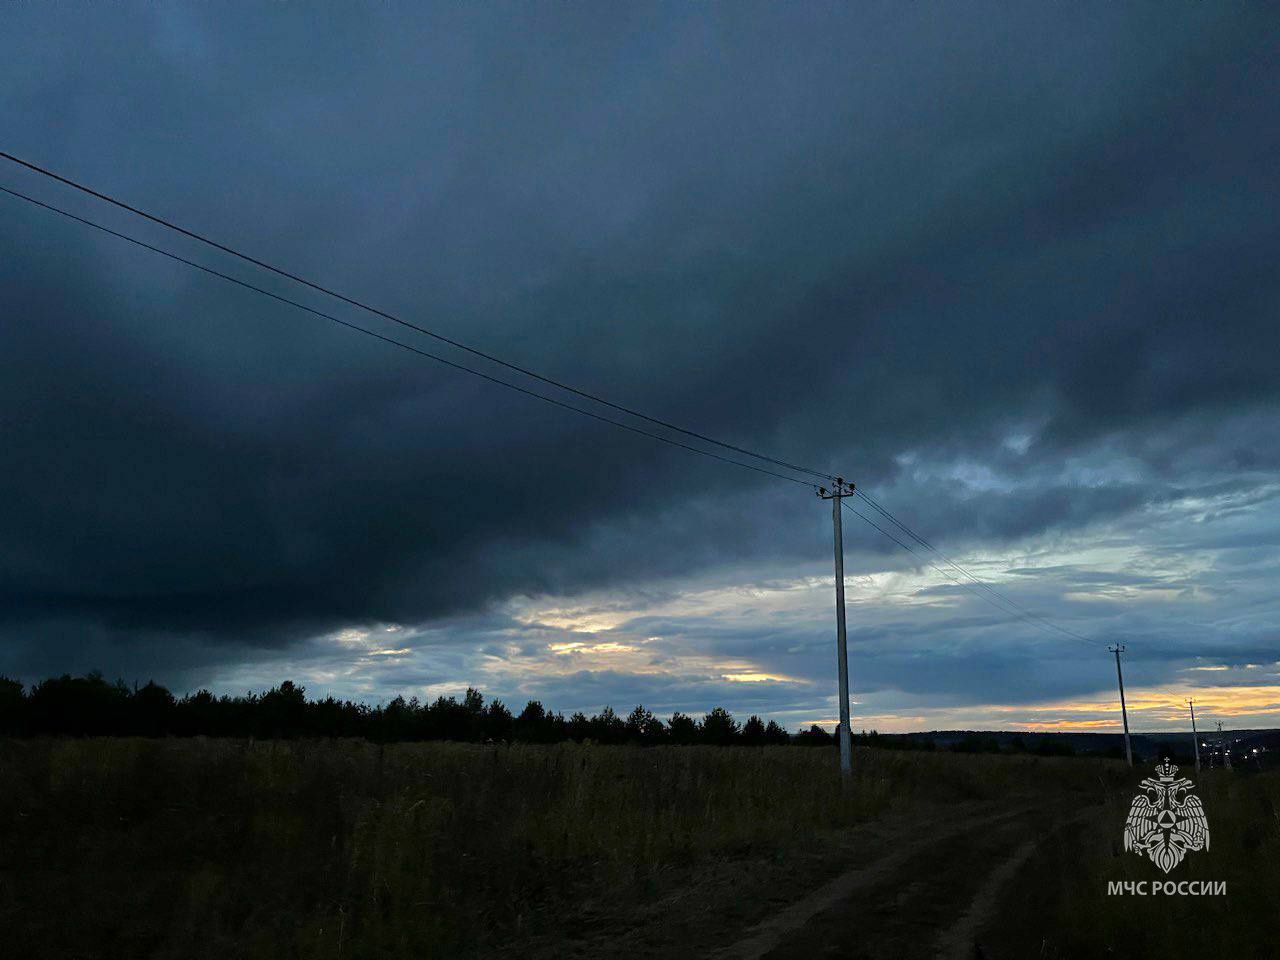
(771, 932)
(959, 942)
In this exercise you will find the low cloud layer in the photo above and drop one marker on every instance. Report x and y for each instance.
(1013, 273)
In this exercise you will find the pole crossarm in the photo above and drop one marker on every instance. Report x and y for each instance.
(842, 488)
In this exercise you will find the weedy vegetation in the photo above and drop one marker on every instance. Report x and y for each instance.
(1059, 907)
(131, 847)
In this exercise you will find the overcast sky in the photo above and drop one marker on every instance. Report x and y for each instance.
(1011, 268)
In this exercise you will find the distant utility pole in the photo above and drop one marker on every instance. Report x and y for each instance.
(1222, 746)
(1195, 738)
(842, 489)
(1124, 712)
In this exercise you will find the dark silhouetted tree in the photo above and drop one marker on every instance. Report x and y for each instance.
(682, 729)
(80, 706)
(531, 726)
(719, 728)
(90, 706)
(644, 728)
(282, 711)
(608, 727)
(753, 732)
(815, 736)
(12, 708)
(498, 722)
(152, 711)
(449, 720)
(395, 722)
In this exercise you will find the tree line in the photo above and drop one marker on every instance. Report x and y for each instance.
(92, 706)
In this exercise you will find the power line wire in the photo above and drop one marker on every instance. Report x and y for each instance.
(391, 340)
(1001, 602)
(523, 390)
(630, 411)
(1007, 611)
(1013, 603)
(1005, 604)
(1179, 699)
(956, 566)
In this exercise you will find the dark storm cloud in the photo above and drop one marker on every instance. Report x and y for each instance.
(973, 261)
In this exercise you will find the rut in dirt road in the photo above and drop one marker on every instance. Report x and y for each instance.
(959, 942)
(778, 932)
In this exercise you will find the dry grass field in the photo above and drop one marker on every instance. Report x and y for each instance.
(1059, 907)
(343, 849)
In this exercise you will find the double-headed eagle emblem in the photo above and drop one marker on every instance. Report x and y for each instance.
(1165, 819)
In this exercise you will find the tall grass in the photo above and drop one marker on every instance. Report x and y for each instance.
(1068, 879)
(192, 848)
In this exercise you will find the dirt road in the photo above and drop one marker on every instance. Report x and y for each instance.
(927, 898)
(897, 889)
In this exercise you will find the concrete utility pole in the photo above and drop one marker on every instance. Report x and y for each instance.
(842, 489)
(1124, 712)
(1195, 738)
